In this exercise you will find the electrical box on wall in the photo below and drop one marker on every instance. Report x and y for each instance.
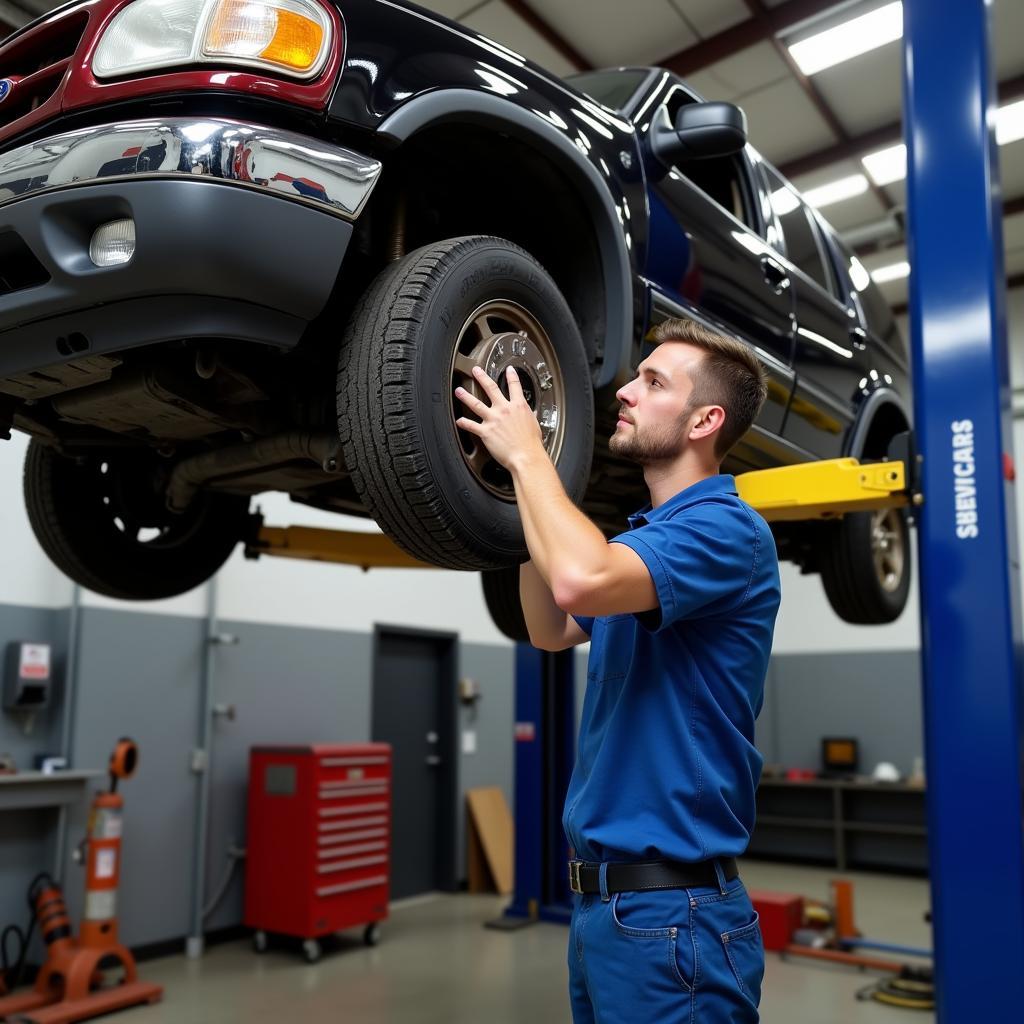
(27, 677)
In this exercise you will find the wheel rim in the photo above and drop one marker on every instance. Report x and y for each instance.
(887, 549)
(131, 500)
(495, 336)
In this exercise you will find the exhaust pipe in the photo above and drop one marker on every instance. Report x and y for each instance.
(191, 474)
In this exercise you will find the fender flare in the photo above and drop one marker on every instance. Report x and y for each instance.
(443, 105)
(865, 417)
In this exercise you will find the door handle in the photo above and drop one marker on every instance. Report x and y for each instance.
(433, 760)
(774, 274)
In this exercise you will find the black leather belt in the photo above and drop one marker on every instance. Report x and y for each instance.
(585, 877)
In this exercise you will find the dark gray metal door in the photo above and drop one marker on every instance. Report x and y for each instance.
(414, 711)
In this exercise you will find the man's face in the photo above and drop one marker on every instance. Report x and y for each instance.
(654, 407)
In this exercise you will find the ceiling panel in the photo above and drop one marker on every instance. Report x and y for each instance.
(1011, 169)
(854, 213)
(783, 122)
(610, 32)
(1007, 33)
(744, 72)
(1013, 232)
(500, 23)
(711, 16)
(867, 91)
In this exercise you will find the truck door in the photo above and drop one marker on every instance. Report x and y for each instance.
(708, 255)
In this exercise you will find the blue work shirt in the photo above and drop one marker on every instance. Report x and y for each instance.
(666, 767)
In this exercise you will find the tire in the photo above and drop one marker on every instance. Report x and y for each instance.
(311, 951)
(371, 934)
(259, 942)
(864, 560)
(420, 327)
(501, 594)
(75, 506)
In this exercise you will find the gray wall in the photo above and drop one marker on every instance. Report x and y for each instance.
(139, 675)
(872, 696)
(27, 838)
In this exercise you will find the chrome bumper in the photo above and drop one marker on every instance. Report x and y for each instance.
(270, 160)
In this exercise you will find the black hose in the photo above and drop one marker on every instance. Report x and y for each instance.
(13, 975)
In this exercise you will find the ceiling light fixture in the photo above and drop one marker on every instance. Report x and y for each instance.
(886, 165)
(890, 272)
(835, 191)
(1010, 123)
(848, 40)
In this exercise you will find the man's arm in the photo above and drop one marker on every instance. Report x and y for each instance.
(585, 574)
(550, 628)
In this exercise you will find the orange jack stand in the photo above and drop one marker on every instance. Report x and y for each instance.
(64, 992)
(70, 986)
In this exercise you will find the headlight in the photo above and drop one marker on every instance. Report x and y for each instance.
(290, 36)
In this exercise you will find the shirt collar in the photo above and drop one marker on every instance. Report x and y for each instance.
(723, 483)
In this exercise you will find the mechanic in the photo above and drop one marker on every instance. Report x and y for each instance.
(679, 611)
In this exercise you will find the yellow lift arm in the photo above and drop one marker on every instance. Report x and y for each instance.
(810, 490)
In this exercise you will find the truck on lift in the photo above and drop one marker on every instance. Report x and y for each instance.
(251, 247)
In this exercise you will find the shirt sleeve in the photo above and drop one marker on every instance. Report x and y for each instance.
(586, 623)
(702, 562)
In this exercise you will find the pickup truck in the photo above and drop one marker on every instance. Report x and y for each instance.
(255, 246)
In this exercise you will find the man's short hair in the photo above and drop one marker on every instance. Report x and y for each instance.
(729, 376)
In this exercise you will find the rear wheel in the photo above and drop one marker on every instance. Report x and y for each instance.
(501, 593)
(417, 334)
(103, 520)
(864, 560)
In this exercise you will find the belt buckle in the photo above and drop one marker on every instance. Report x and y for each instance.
(574, 877)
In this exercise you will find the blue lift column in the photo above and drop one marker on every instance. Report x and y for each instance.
(544, 754)
(971, 648)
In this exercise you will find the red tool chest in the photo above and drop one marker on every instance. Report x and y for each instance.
(319, 841)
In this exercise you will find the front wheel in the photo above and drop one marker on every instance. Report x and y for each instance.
(103, 520)
(864, 560)
(418, 332)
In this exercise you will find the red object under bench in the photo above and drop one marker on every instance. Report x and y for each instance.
(319, 838)
(781, 915)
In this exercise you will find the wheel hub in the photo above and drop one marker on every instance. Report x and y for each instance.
(887, 549)
(496, 336)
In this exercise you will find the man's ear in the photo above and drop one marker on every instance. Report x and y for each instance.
(710, 419)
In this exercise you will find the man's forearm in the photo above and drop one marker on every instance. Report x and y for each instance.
(565, 546)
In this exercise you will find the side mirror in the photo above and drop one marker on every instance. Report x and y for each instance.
(701, 131)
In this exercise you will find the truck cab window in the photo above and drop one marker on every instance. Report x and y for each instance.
(799, 232)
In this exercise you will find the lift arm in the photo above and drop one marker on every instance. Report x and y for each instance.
(810, 490)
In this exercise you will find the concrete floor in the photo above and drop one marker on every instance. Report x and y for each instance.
(436, 964)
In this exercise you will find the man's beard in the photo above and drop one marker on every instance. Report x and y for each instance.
(647, 447)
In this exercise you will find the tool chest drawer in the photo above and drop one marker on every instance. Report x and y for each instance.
(319, 838)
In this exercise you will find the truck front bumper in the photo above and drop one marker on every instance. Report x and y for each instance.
(240, 233)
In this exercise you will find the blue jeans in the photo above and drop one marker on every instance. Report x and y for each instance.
(666, 957)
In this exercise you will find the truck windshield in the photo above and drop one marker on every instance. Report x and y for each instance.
(613, 88)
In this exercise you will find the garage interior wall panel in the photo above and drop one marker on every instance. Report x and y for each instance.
(491, 720)
(287, 686)
(138, 676)
(27, 837)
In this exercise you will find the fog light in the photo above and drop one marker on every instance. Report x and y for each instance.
(113, 243)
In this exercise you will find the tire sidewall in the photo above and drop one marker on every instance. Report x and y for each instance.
(488, 272)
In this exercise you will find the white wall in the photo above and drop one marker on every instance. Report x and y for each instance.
(27, 577)
(290, 592)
